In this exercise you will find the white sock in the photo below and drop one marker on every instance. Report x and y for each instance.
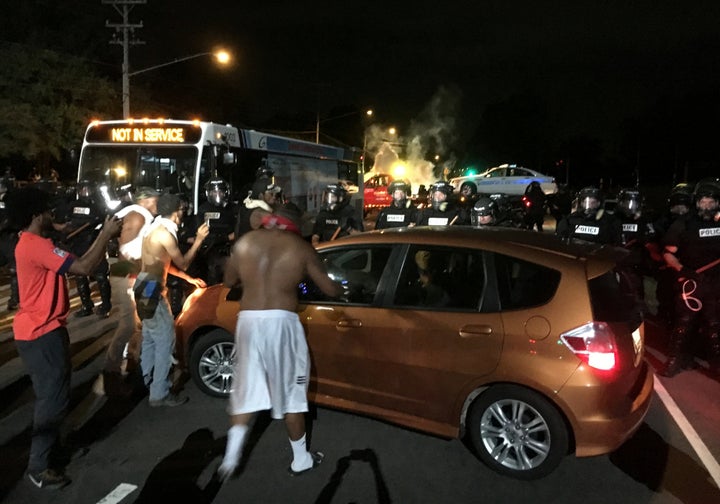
(301, 456)
(233, 449)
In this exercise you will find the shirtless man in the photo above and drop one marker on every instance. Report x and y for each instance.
(160, 256)
(272, 369)
(137, 218)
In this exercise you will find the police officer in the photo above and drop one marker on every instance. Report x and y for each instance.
(220, 214)
(82, 217)
(8, 240)
(637, 235)
(590, 222)
(692, 250)
(441, 211)
(533, 206)
(679, 202)
(336, 217)
(486, 212)
(401, 212)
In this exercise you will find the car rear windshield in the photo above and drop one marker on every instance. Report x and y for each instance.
(609, 303)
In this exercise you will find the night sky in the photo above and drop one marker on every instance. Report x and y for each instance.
(501, 81)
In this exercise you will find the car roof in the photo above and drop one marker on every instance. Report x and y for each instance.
(599, 259)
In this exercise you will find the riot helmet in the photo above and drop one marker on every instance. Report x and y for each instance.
(629, 202)
(399, 191)
(484, 212)
(589, 201)
(216, 191)
(680, 199)
(334, 197)
(264, 172)
(440, 192)
(707, 196)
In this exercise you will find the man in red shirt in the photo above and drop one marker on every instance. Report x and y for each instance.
(39, 326)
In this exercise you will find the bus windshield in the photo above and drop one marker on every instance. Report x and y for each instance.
(160, 167)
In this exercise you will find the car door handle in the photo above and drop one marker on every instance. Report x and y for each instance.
(349, 323)
(475, 330)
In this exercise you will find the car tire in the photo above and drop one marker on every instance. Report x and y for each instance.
(212, 359)
(517, 432)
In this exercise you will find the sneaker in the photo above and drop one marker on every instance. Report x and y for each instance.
(317, 458)
(49, 479)
(103, 311)
(84, 312)
(169, 400)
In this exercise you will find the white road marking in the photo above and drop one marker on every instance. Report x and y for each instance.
(691, 434)
(121, 491)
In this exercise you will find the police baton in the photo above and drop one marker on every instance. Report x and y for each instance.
(708, 266)
(77, 230)
(336, 233)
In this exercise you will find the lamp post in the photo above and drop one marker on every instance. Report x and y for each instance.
(222, 57)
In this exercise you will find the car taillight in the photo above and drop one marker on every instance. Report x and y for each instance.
(594, 343)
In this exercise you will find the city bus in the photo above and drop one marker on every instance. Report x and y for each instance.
(181, 156)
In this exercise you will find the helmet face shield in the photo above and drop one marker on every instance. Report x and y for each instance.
(331, 201)
(438, 198)
(630, 204)
(589, 204)
(216, 192)
(483, 213)
(399, 197)
(707, 207)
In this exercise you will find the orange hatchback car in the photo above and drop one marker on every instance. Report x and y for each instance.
(519, 340)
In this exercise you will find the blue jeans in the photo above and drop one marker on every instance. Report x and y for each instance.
(157, 348)
(47, 360)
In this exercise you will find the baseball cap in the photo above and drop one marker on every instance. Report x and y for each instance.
(264, 185)
(144, 192)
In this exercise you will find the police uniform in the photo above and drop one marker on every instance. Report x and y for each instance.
(328, 221)
(216, 247)
(8, 241)
(83, 216)
(635, 234)
(392, 216)
(598, 228)
(696, 299)
(437, 217)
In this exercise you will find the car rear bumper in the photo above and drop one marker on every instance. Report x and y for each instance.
(616, 415)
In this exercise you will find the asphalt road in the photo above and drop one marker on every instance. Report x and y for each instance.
(128, 452)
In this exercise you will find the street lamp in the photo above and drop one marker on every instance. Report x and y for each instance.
(222, 57)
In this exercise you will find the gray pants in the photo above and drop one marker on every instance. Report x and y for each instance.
(128, 331)
(47, 360)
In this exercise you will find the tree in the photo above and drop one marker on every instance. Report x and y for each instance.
(46, 101)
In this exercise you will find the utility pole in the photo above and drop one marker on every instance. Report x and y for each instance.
(126, 39)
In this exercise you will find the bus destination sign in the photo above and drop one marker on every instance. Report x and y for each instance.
(154, 134)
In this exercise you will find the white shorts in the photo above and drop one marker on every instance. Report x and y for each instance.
(272, 368)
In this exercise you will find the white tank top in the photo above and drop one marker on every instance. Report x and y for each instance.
(133, 248)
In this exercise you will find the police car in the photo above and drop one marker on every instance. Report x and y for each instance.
(505, 179)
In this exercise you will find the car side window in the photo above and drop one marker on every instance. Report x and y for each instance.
(441, 279)
(522, 284)
(357, 269)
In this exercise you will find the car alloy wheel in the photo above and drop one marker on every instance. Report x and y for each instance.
(212, 360)
(517, 432)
